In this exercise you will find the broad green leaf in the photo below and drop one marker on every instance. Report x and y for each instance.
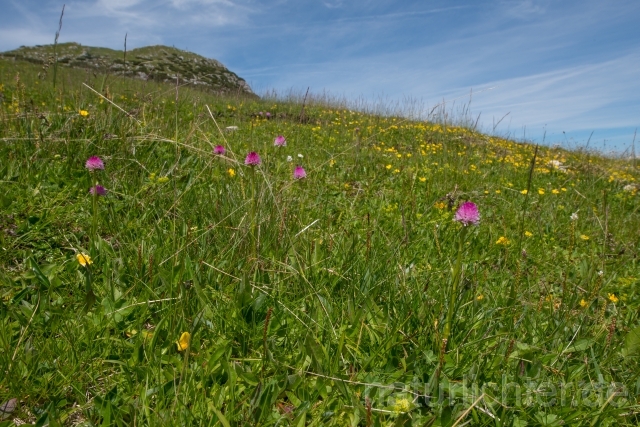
(632, 342)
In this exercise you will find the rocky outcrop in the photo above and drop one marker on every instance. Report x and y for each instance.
(160, 63)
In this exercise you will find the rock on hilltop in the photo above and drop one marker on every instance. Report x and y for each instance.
(160, 63)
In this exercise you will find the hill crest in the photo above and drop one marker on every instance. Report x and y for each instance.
(159, 63)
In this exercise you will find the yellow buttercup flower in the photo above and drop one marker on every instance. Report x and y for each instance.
(584, 237)
(528, 233)
(480, 297)
(183, 342)
(583, 303)
(84, 259)
(613, 298)
(83, 113)
(524, 191)
(388, 166)
(231, 172)
(541, 191)
(422, 179)
(502, 241)
(555, 191)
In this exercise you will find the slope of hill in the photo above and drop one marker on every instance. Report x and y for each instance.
(177, 257)
(160, 63)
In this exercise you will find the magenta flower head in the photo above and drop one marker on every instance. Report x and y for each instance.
(267, 115)
(93, 163)
(279, 141)
(467, 214)
(299, 173)
(252, 159)
(98, 190)
(219, 149)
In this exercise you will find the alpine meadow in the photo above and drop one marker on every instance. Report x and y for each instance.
(176, 254)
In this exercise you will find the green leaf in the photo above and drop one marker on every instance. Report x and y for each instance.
(632, 342)
(315, 351)
(579, 345)
(39, 274)
(221, 418)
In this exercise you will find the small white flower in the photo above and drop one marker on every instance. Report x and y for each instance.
(289, 159)
(600, 273)
(556, 164)
(300, 156)
(574, 216)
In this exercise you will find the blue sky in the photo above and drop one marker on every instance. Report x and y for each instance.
(563, 68)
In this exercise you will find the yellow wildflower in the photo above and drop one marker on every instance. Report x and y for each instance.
(541, 191)
(613, 298)
(388, 166)
(554, 191)
(231, 172)
(440, 205)
(401, 405)
(502, 241)
(422, 179)
(84, 259)
(498, 191)
(480, 297)
(183, 342)
(584, 237)
(583, 303)
(163, 179)
(83, 113)
(528, 233)
(524, 191)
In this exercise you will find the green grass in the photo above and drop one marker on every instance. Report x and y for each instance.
(320, 301)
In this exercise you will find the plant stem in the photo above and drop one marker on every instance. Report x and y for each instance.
(94, 224)
(457, 275)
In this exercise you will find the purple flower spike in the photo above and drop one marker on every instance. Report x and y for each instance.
(93, 163)
(252, 159)
(299, 173)
(98, 190)
(219, 149)
(467, 214)
(279, 141)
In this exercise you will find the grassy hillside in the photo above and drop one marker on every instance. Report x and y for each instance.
(158, 63)
(349, 297)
